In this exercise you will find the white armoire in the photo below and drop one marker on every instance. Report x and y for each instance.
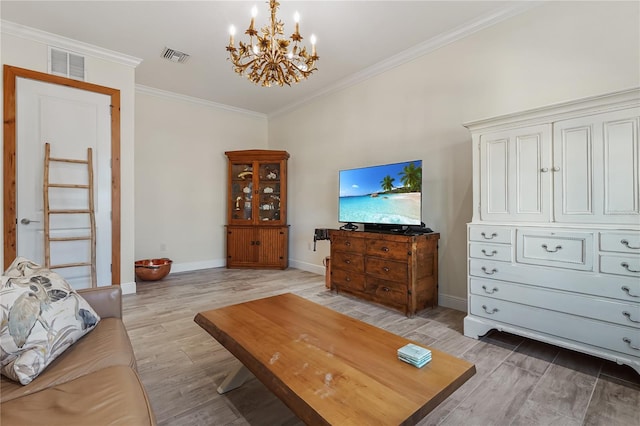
(554, 243)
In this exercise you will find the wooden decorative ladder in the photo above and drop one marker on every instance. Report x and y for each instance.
(88, 211)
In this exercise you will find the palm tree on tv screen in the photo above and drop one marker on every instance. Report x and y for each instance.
(411, 177)
(387, 183)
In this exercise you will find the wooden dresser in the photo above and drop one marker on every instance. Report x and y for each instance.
(398, 271)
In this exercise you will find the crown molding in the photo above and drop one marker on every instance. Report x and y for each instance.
(419, 50)
(22, 31)
(151, 91)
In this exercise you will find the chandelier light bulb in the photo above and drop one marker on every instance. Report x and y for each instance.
(232, 32)
(296, 17)
(254, 11)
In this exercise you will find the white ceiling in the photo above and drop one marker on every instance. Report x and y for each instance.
(355, 38)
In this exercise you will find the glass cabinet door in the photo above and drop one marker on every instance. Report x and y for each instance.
(241, 192)
(268, 181)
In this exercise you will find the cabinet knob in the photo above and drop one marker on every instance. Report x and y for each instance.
(628, 342)
(484, 287)
(626, 266)
(628, 291)
(555, 169)
(387, 289)
(628, 315)
(347, 261)
(386, 269)
(628, 245)
(385, 249)
(493, 271)
(490, 312)
(544, 169)
(548, 250)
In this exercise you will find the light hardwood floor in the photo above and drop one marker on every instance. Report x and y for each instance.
(518, 381)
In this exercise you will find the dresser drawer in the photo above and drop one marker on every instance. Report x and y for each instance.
(619, 287)
(498, 252)
(622, 242)
(605, 335)
(347, 279)
(347, 243)
(573, 250)
(586, 306)
(387, 292)
(388, 249)
(387, 269)
(492, 234)
(348, 261)
(620, 265)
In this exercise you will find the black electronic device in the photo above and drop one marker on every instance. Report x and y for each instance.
(318, 235)
(385, 198)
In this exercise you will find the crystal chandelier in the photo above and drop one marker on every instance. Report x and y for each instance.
(268, 60)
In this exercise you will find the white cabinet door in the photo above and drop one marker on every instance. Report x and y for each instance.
(595, 173)
(515, 174)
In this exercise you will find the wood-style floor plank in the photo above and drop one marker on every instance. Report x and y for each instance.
(519, 381)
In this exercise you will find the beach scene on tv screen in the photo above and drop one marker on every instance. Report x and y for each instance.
(386, 194)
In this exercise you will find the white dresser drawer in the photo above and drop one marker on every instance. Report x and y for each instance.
(620, 265)
(587, 306)
(617, 287)
(604, 335)
(499, 252)
(490, 234)
(573, 250)
(622, 242)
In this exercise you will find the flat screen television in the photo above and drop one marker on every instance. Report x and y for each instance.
(384, 197)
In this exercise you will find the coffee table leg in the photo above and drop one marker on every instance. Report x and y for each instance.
(235, 379)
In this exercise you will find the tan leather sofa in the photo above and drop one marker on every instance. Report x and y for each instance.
(94, 382)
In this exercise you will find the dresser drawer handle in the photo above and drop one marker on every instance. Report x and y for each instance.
(493, 253)
(348, 279)
(558, 247)
(489, 312)
(626, 266)
(628, 342)
(628, 291)
(347, 243)
(385, 249)
(493, 235)
(484, 287)
(626, 243)
(387, 289)
(493, 271)
(386, 269)
(347, 261)
(628, 315)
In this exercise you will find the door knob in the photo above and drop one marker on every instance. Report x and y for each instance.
(26, 221)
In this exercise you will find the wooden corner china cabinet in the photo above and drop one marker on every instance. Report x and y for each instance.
(257, 230)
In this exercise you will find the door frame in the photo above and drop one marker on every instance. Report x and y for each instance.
(11, 74)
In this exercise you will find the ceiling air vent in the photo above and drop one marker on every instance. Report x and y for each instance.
(174, 55)
(66, 64)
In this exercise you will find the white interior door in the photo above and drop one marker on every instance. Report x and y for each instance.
(70, 120)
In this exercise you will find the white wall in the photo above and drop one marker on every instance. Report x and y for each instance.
(32, 53)
(552, 53)
(181, 176)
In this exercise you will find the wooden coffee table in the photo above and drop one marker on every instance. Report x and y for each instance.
(329, 368)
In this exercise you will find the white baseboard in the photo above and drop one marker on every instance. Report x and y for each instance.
(309, 267)
(128, 288)
(194, 266)
(453, 302)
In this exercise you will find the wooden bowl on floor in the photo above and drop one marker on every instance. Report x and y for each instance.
(153, 269)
